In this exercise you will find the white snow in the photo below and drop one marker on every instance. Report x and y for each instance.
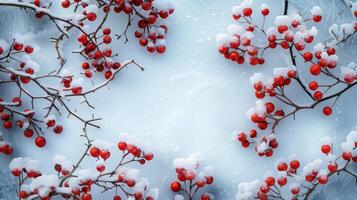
(316, 11)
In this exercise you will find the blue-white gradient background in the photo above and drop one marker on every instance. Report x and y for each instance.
(189, 100)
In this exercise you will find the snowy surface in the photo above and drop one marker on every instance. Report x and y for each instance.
(188, 100)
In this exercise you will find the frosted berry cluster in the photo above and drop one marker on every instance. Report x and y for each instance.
(20, 71)
(70, 180)
(18, 111)
(294, 181)
(289, 32)
(190, 180)
(294, 35)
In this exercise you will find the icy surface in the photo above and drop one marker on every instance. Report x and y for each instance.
(188, 100)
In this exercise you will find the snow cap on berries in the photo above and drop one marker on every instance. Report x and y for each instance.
(29, 63)
(222, 39)
(65, 72)
(326, 140)
(248, 190)
(247, 4)
(348, 146)
(256, 78)
(135, 140)
(91, 8)
(235, 29)
(44, 184)
(282, 20)
(189, 163)
(141, 185)
(312, 166)
(258, 109)
(18, 163)
(208, 170)
(352, 136)
(264, 6)
(316, 10)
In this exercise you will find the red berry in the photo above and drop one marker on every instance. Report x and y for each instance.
(315, 69)
(86, 196)
(282, 181)
(294, 164)
(91, 16)
(269, 107)
(313, 85)
(327, 110)
(149, 156)
(40, 141)
(318, 95)
(108, 75)
(175, 186)
(65, 3)
(116, 197)
(326, 148)
(28, 49)
(107, 39)
(94, 152)
(317, 18)
(247, 12)
(161, 49)
(347, 155)
(58, 129)
(282, 166)
(332, 167)
(252, 133)
(265, 11)
(105, 154)
(7, 124)
(28, 133)
(122, 146)
(106, 31)
(270, 181)
(322, 179)
(307, 56)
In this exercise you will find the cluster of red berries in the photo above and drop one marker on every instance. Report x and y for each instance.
(135, 151)
(190, 182)
(98, 56)
(69, 85)
(28, 49)
(80, 188)
(239, 47)
(25, 124)
(279, 81)
(314, 173)
(97, 152)
(270, 142)
(152, 31)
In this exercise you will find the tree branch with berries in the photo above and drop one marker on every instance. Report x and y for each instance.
(42, 98)
(190, 181)
(294, 35)
(73, 181)
(290, 182)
